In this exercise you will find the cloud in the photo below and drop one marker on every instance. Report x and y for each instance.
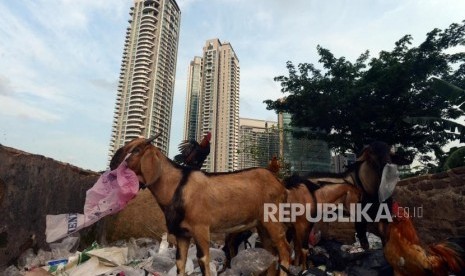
(185, 5)
(12, 107)
(5, 88)
(105, 84)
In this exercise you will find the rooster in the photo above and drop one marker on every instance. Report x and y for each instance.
(274, 166)
(192, 153)
(407, 256)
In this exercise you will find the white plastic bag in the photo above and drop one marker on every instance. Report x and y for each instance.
(389, 181)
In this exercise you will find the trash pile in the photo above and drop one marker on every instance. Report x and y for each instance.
(145, 256)
(335, 258)
(137, 257)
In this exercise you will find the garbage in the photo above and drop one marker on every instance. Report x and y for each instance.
(111, 256)
(90, 267)
(11, 271)
(138, 257)
(65, 248)
(110, 194)
(142, 248)
(252, 261)
(373, 240)
(28, 259)
(217, 258)
(164, 244)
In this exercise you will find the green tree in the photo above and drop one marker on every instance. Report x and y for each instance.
(407, 96)
(456, 158)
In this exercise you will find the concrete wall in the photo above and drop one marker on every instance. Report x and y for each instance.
(441, 197)
(32, 186)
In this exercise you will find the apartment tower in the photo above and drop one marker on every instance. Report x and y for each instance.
(258, 142)
(194, 86)
(146, 83)
(301, 154)
(218, 110)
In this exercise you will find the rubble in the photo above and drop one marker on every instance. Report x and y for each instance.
(137, 257)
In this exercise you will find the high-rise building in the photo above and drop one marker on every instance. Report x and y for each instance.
(258, 142)
(340, 162)
(301, 154)
(146, 83)
(194, 86)
(218, 110)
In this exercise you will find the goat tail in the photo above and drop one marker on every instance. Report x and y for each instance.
(452, 251)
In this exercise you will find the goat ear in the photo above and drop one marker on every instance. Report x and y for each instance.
(365, 154)
(117, 158)
(150, 166)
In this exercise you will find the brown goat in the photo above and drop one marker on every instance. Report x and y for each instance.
(196, 204)
(365, 174)
(306, 192)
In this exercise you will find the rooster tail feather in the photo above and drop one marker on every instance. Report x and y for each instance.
(452, 251)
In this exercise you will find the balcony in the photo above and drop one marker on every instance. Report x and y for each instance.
(150, 9)
(133, 132)
(147, 34)
(136, 101)
(147, 26)
(149, 20)
(139, 105)
(135, 120)
(135, 125)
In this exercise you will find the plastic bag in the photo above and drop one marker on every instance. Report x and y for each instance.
(142, 248)
(373, 240)
(110, 194)
(389, 180)
(252, 261)
(161, 264)
(217, 258)
(28, 259)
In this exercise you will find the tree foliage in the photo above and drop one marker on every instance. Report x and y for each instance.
(408, 96)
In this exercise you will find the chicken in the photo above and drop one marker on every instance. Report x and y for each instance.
(408, 256)
(192, 153)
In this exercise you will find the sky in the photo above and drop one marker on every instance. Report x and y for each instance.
(60, 60)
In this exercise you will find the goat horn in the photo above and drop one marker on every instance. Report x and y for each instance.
(149, 140)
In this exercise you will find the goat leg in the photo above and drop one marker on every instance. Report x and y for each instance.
(181, 254)
(302, 230)
(202, 241)
(277, 234)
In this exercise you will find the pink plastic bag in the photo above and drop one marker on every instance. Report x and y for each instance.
(109, 195)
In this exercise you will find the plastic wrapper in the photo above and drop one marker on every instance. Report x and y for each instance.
(252, 261)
